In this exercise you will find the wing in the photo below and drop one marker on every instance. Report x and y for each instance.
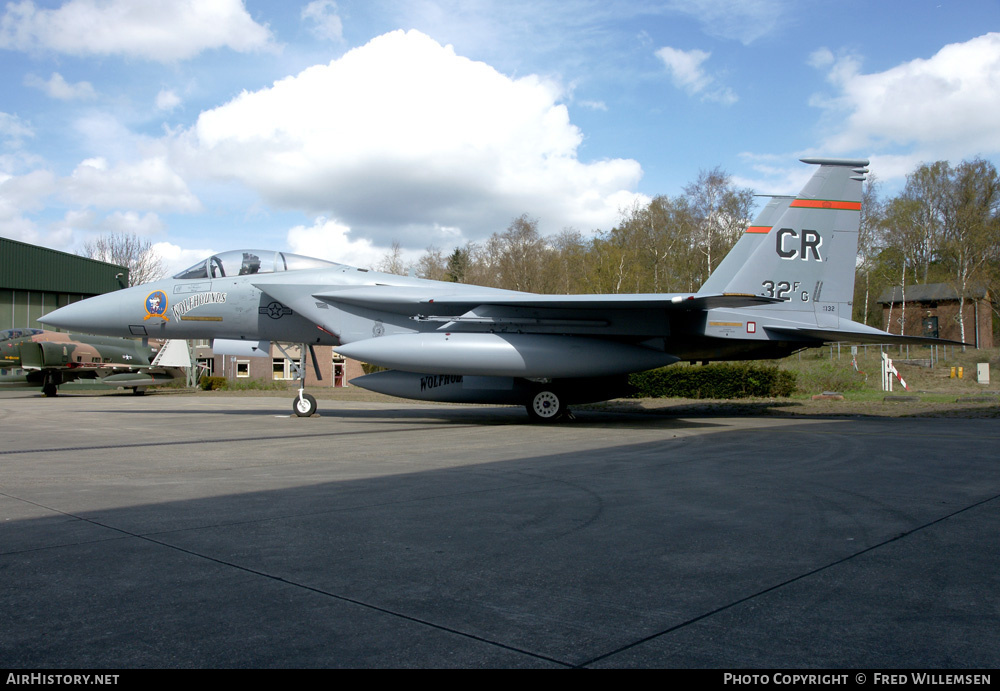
(404, 300)
(485, 306)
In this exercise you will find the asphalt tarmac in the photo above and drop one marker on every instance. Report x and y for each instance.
(220, 532)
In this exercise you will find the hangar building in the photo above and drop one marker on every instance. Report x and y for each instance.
(36, 280)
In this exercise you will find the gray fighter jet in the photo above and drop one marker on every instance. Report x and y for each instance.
(787, 285)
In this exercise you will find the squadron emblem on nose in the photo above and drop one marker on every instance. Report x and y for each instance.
(156, 305)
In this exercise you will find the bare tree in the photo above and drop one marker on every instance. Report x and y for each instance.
(929, 186)
(869, 243)
(392, 261)
(129, 250)
(971, 232)
(516, 257)
(904, 236)
(433, 265)
(722, 214)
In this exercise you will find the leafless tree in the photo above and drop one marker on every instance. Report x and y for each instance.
(433, 265)
(392, 261)
(129, 250)
(722, 212)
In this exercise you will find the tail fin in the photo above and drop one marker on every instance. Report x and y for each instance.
(747, 244)
(807, 257)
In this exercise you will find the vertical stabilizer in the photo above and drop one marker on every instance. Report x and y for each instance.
(808, 256)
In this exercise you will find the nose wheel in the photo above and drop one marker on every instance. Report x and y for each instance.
(304, 405)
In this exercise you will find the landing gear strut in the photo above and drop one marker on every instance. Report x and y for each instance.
(303, 404)
(50, 384)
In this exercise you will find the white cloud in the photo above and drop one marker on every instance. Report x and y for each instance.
(687, 72)
(149, 184)
(57, 87)
(162, 30)
(13, 129)
(685, 67)
(167, 100)
(20, 193)
(942, 107)
(327, 239)
(402, 133)
(774, 175)
(86, 223)
(176, 259)
(21, 229)
(820, 58)
(105, 132)
(325, 23)
(742, 20)
(131, 222)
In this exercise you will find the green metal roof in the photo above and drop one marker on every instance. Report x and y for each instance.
(29, 267)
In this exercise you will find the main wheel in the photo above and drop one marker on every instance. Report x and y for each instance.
(49, 389)
(304, 406)
(545, 406)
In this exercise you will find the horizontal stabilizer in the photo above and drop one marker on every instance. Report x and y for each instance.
(858, 336)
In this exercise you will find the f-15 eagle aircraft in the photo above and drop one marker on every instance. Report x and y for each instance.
(787, 284)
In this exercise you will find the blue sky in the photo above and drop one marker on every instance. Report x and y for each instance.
(334, 128)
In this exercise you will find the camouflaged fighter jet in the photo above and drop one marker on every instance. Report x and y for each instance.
(48, 358)
(787, 285)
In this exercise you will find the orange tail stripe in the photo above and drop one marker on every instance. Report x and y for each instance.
(825, 204)
(759, 229)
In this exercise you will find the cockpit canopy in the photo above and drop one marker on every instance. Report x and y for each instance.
(8, 334)
(247, 262)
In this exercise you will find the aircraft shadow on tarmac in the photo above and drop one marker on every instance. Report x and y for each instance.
(465, 415)
(741, 548)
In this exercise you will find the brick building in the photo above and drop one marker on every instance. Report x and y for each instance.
(334, 370)
(932, 310)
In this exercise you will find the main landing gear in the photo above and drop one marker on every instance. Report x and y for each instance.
(50, 385)
(546, 405)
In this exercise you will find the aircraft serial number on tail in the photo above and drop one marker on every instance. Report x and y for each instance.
(783, 290)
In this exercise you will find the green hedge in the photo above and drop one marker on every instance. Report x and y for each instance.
(224, 384)
(212, 383)
(722, 380)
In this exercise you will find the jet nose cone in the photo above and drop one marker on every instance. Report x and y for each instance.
(97, 315)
